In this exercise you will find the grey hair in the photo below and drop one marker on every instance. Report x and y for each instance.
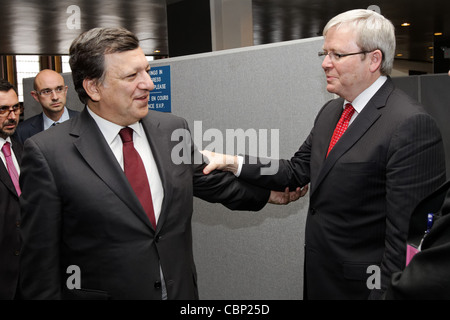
(373, 32)
(87, 54)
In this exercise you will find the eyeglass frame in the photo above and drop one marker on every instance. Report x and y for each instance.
(337, 56)
(48, 94)
(17, 108)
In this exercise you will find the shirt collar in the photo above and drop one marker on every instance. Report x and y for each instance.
(3, 141)
(48, 122)
(110, 130)
(364, 97)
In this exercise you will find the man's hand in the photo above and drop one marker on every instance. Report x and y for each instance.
(279, 197)
(218, 161)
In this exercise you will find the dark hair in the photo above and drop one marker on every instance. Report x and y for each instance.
(87, 54)
(5, 86)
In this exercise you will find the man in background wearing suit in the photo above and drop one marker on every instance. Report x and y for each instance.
(427, 276)
(364, 185)
(10, 154)
(81, 207)
(51, 93)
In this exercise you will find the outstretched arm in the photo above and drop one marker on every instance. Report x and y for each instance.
(224, 162)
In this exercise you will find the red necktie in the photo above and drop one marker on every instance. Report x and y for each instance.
(342, 125)
(6, 149)
(135, 172)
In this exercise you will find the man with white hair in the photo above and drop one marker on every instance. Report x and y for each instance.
(365, 180)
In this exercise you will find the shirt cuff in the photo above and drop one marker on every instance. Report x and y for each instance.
(240, 163)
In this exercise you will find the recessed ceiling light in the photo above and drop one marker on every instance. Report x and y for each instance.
(438, 34)
(406, 24)
(157, 51)
(399, 54)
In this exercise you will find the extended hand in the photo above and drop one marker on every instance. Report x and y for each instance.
(279, 197)
(218, 161)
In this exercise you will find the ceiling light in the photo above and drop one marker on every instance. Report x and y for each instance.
(406, 24)
(157, 51)
(399, 54)
(438, 34)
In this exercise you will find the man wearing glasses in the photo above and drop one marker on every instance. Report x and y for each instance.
(51, 93)
(365, 180)
(10, 155)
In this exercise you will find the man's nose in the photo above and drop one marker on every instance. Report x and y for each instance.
(326, 63)
(12, 115)
(147, 82)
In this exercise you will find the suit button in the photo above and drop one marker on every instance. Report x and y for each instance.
(18, 224)
(157, 239)
(158, 285)
(313, 211)
(16, 252)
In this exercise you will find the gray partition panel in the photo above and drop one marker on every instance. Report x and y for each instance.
(250, 255)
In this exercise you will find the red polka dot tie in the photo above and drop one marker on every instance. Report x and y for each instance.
(342, 125)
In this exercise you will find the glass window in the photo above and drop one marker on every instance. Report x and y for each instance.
(65, 64)
(27, 66)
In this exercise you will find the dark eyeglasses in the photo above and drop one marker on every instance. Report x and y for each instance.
(334, 56)
(7, 109)
(47, 92)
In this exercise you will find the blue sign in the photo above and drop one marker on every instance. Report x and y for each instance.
(160, 98)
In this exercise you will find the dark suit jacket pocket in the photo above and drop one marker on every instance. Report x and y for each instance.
(85, 294)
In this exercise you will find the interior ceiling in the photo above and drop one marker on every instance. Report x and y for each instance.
(41, 27)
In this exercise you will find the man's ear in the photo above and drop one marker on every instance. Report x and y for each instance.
(35, 95)
(91, 88)
(376, 60)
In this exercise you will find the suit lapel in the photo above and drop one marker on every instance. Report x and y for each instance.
(17, 148)
(38, 123)
(96, 152)
(369, 115)
(6, 179)
(4, 175)
(157, 143)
